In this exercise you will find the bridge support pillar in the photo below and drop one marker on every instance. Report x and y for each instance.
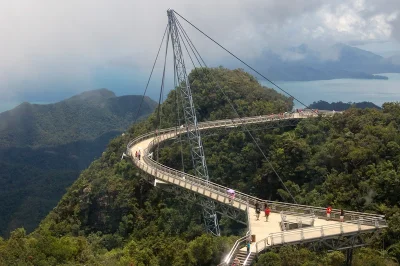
(349, 256)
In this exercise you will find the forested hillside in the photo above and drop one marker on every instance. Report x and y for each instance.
(82, 117)
(111, 216)
(43, 148)
(341, 106)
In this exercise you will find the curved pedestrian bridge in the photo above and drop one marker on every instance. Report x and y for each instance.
(287, 224)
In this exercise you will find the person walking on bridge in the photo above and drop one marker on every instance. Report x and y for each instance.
(236, 262)
(341, 215)
(258, 210)
(267, 212)
(139, 155)
(328, 212)
(231, 195)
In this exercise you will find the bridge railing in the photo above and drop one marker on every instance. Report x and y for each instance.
(309, 233)
(257, 119)
(229, 122)
(289, 221)
(185, 179)
(275, 206)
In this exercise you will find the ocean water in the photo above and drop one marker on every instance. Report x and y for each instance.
(345, 90)
(5, 106)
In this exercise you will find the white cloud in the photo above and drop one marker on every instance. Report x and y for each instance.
(45, 41)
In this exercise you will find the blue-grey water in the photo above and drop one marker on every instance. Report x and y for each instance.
(345, 90)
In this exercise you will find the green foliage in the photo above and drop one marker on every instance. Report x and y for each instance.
(341, 106)
(370, 257)
(335, 258)
(110, 216)
(269, 259)
(44, 148)
(82, 117)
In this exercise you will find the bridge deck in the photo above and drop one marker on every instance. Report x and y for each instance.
(263, 230)
(267, 233)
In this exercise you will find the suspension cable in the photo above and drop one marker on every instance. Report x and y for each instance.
(189, 42)
(185, 47)
(244, 125)
(151, 74)
(158, 120)
(267, 79)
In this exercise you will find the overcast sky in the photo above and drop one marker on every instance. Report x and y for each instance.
(52, 49)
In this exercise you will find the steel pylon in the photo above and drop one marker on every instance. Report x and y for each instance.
(191, 123)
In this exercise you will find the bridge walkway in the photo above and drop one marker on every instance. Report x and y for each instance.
(267, 233)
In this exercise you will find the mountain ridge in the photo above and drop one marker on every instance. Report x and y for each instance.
(43, 148)
(81, 112)
(302, 63)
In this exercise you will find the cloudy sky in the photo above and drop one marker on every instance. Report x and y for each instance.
(53, 49)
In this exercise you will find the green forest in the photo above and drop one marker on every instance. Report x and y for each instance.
(112, 216)
(43, 149)
(341, 106)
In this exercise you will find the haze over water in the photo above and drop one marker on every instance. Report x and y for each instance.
(345, 90)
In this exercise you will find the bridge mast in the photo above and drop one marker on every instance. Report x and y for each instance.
(193, 133)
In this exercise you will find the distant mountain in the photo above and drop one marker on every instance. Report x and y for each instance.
(43, 148)
(394, 60)
(338, 61)
(341, 106)
(81, 117)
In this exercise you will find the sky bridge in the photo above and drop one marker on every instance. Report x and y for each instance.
(287, 224)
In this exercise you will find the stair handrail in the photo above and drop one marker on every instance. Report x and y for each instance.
(228, 258)
(246, 238)
(247, 259)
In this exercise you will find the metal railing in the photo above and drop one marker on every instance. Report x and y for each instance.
(247, 259)
(218, 192)
(233, 122)
(310, 233)
(154, 168)
(235, 247)
(295, 220)
(237, 244)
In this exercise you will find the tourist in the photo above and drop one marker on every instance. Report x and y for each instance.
(267, 212)
(236, 262)
(248, 247)
(341, 215)
(328, 212)
(257, 205)
(231, 195)
(139, 155)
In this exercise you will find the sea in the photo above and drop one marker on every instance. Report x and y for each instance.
(345, 90)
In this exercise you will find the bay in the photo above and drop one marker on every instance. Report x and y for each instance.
(345, 90)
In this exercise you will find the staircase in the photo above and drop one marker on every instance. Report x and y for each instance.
(242, 255)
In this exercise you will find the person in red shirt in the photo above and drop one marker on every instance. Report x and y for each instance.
(267, 212)
(328, 212)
